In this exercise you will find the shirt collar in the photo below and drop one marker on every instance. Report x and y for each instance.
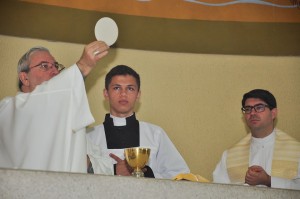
(119, 121)
(267, 139)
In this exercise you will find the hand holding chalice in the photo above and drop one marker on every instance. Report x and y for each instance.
(137, 158)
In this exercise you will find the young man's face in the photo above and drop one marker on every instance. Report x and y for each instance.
(37, 75)
(260, 121)
(122, 94)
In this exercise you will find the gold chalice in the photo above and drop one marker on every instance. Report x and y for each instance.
(137, 158)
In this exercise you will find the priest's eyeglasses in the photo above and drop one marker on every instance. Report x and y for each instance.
(258, 108)
(45, 66)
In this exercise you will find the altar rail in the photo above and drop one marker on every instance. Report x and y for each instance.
(37, 184)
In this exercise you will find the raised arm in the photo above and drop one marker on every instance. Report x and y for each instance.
(92, 53)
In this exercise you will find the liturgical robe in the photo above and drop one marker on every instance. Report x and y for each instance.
(165, 161)
(45, 129)
(275, 160)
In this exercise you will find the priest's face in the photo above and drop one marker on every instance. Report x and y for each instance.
(261, 122)
(37, 73)
(122, 94)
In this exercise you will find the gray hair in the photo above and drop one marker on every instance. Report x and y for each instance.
(23, 64)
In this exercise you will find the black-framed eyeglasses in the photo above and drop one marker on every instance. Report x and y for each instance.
(45, 66)
(258, 108)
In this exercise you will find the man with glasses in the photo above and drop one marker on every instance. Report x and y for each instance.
(266, 156)
(43, 126)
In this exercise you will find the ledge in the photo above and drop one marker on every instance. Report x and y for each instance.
(39, 184)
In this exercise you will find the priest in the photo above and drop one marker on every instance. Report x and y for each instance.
(266, 156)
(43, 126)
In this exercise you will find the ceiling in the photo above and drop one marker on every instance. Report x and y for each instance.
(243, 29)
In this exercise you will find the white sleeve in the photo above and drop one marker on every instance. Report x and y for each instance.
(80, 107)
(220, 174)
(170, 162)
(101, 164)
(70, 81)
(287, 183)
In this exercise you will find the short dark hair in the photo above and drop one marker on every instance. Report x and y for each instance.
(264, 95)
(122, 70)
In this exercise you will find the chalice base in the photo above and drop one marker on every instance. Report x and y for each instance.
(138, 174)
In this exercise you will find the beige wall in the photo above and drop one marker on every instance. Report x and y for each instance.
(196, 98)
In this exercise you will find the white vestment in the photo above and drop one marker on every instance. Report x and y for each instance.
(261, 154)
(165, 161)
(45, 129)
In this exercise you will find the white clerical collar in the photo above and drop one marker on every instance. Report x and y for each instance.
(119, 121)
(267, 139)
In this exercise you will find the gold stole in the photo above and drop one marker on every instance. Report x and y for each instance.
(285, 158)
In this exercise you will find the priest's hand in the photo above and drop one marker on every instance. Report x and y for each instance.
(256, 175)
(92, 53)
(122, 167)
